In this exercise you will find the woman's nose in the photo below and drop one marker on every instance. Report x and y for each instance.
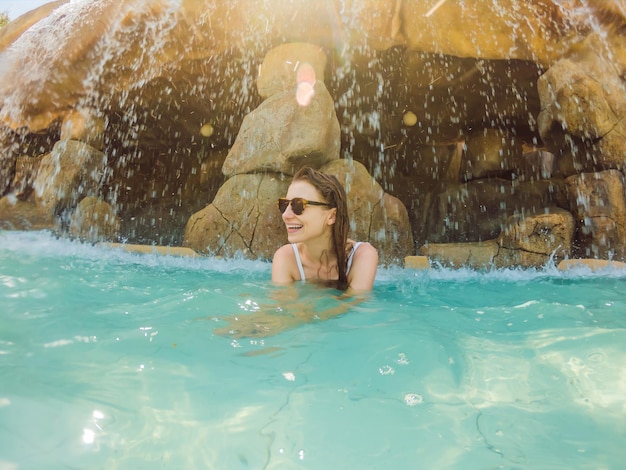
(288, 212)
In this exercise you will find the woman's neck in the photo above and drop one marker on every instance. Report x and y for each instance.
(319, 254)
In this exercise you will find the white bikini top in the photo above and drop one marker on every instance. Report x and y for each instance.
(299, 261)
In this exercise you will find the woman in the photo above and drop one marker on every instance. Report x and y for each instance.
(315, 213)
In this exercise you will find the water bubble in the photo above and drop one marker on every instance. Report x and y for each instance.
(409, 119)
(206, 130)
(88, 436)
(412, 399)
(402, 359)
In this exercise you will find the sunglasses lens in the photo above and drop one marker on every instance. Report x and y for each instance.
(297, 205)
(283, 204)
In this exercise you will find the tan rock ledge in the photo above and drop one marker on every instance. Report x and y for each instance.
(422, 262)
(153, 249)
(593, 264)
(416, 262)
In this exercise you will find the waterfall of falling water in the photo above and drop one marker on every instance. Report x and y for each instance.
(362, 80)
(358, 91)
(113, 44)
(140, 33)
(31, 56)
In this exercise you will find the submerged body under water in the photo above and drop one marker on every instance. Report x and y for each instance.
(112, 360)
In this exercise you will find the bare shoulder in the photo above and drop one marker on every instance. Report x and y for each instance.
(366, 251)
(283, 264)
(364, 266)
(285, 252)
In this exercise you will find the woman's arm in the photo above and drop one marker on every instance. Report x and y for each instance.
(290, 312)
(283, 264)
(363, 270)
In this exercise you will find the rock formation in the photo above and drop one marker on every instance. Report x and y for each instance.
(295, 126)
(484, 133)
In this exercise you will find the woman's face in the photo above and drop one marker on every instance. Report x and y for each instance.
(315, 221)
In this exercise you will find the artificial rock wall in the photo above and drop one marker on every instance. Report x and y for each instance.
(493, 124)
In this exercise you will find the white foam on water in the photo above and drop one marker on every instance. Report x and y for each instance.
(45, 244)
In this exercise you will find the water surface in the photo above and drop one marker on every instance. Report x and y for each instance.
(111, 360)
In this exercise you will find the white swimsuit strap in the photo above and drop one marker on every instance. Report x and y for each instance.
(298, 261)
(351, 256)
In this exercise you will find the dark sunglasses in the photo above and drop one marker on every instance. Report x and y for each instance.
(298, 204)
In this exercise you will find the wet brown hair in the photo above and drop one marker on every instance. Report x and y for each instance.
(334, 194)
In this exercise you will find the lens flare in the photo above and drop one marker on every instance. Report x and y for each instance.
(305, 78)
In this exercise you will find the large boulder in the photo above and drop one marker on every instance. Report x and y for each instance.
(242, 220)
(478, 210)
(533, 241)
(583, 100)
(375, 216)
(484, 29)
(94, 220)
(598, 201)
(281, 135)
(279, 69)
(24, 215)
(72, 171)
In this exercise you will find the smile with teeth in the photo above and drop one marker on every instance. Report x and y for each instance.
(293, 227)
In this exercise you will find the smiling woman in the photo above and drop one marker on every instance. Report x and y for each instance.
(315, 213)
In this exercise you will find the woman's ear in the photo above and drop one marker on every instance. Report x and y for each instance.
(332, 216)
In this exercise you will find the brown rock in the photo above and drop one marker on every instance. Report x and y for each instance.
(24, 215)
(242, 220)
(416, 262)
(94, 220)
(154, 249)
(15, 28)
(478, 210)
(375, 216)
(477, 29)
(491, 153)
(592, 264)
(281, 136)
(598, 202)
(72, 171)
(534, 240)
(280, 66)
(26, 169)
(583, 103)
(84, 126)
(474, 255)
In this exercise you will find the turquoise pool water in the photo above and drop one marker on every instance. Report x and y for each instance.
(110, 360)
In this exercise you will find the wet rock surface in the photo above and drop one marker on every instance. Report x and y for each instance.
(186, 120)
